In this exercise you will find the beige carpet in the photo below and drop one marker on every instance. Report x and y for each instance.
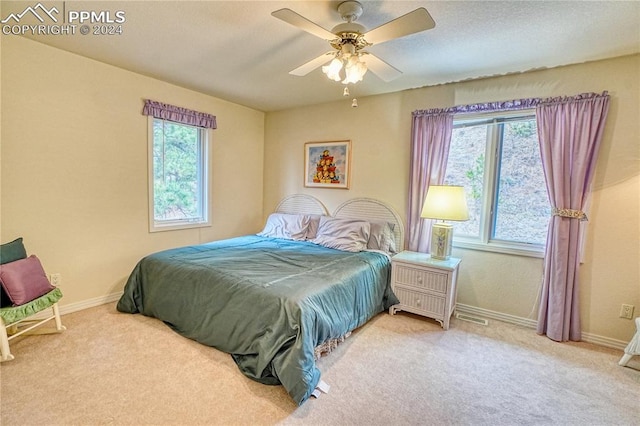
(114, 368)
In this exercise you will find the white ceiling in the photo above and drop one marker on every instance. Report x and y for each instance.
(235, 50)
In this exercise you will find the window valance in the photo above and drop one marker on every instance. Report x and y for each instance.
(512, 105)
(178, 114)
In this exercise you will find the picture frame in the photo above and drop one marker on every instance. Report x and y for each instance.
(327, 164)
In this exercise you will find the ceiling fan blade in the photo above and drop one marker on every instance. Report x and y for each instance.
(306, 68)
(380, 68)
(297, 20)
(411, 23)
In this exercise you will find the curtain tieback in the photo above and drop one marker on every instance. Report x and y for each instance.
(570, 213)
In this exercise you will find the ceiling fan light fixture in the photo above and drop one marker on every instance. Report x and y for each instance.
(354, 70)
(333, 69)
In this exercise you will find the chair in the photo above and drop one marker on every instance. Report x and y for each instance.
(18, 320)
(633, 348)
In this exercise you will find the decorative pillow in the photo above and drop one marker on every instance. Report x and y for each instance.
(288, 226)
(10, 252)
(381, 237)
(24, 280)
(343, 234)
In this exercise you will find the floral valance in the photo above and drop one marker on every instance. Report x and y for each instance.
(512, 105)
(178, 114)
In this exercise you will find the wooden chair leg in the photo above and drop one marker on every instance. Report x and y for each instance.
(633, 348)
(56, 313)
(625, 359)
(5, 353)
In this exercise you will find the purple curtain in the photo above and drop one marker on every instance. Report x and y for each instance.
(430, 141)
(178, 114)
(569, 132)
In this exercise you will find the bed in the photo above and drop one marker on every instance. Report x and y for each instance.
(273, 299)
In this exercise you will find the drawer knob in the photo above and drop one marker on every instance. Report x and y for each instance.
(419, 279)
(417, 302)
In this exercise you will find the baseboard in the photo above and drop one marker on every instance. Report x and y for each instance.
(89, 303)
(529, 323)
(604, 341)
(79, 306)
(486, 313)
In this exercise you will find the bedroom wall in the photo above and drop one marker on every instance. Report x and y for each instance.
(74, 166)
(380, 132)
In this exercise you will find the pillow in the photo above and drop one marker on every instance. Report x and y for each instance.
(24, 280)
(10, 252)
(288, 226)
(314, 222)
(342, 234)
(382, 237)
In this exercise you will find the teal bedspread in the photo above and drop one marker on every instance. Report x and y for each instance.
(268, 302)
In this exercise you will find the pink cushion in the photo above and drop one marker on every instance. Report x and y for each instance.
(24, 280)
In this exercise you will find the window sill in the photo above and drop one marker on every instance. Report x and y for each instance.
(173, 226)
(512, 249)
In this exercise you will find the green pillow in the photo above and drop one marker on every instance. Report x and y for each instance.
(10, 252)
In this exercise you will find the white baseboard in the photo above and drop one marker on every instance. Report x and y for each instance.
(486, 313)
(604, 341)
(79, 306)
(529, 323)
(89, 303)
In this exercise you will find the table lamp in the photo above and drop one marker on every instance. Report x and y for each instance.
(444, 202)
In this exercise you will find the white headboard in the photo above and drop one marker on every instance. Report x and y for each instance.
(357, 208)
(301, 204)
(371, 209)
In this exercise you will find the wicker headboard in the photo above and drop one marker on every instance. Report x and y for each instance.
(301, 204)
(371, 209)
(357, 208)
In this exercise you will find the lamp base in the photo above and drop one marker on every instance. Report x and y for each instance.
(441, 240)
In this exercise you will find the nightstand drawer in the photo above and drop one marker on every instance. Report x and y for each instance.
(422, 278)
(424, 302)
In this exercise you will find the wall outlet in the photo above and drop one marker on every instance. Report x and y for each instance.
(626, 311)
(55, 279)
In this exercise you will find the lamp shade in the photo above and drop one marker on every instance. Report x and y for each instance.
(445, 202)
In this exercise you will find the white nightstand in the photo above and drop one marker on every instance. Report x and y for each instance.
(425, 286)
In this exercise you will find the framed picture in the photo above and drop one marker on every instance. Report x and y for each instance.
(326, 164)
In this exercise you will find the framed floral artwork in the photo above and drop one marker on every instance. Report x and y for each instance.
(327, 164)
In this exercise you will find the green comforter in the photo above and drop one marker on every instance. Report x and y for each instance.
(268, 302)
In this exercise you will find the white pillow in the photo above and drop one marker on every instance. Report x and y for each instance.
(288, 226)
(343, 234)
(381, 237)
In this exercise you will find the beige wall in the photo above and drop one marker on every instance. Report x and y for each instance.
(380, 132)
(74, 166)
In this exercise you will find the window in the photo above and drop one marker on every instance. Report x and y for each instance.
(178, 176)
(497, 159)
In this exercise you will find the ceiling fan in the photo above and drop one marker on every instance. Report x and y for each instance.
(349, 39)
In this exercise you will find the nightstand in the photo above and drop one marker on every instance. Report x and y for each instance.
(425, 286)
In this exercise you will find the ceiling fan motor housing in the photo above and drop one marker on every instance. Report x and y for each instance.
(350, 10)
(349, 33)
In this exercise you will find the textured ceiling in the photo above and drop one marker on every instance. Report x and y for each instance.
(236, 50)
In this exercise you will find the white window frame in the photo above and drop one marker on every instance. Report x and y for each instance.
(484, 242)
(205, 180)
